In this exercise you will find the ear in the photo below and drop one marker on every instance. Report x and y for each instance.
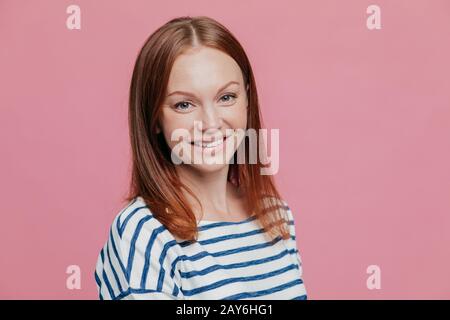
(158, 129)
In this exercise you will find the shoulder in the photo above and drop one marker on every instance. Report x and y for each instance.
(135, 225)
(136, 215)
(272, 202)
(288, 212)
(139, 246)
(288, 216)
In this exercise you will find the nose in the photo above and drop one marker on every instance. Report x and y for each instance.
(210, 118)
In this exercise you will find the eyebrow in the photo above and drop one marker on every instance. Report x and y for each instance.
(193, 95)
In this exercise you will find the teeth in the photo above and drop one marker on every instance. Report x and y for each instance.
(209, 145)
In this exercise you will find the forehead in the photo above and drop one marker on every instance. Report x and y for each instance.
(203, 69)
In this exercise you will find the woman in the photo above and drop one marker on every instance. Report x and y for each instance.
(198, 229)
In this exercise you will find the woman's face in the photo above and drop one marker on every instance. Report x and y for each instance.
(206, 101)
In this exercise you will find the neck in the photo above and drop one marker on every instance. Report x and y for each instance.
(211, 188)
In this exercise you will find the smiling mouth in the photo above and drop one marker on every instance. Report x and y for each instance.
(212, 144)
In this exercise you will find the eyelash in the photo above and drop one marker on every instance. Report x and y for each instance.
(181, 102)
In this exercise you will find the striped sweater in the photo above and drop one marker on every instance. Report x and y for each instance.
(231, 260)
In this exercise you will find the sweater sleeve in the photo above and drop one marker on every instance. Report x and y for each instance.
(292, 245)
(292, 231)
(138, 261)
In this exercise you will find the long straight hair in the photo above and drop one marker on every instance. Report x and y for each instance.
(153, 175)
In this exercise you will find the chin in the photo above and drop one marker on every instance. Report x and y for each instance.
(208, 168)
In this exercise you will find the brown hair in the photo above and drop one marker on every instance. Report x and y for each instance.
(153, 174)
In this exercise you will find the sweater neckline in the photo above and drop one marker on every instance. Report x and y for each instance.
(222, 222)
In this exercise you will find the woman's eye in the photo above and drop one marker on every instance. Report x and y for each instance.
(182, 105)
(229, 97)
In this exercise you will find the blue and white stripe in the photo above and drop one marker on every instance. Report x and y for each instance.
(230, 260)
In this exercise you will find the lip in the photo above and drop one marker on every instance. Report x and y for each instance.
(214, 146)
(209, 141)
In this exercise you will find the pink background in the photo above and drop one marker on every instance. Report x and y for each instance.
(364, 120)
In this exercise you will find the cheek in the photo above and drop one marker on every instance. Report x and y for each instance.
(238, 116)
(173, 123)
